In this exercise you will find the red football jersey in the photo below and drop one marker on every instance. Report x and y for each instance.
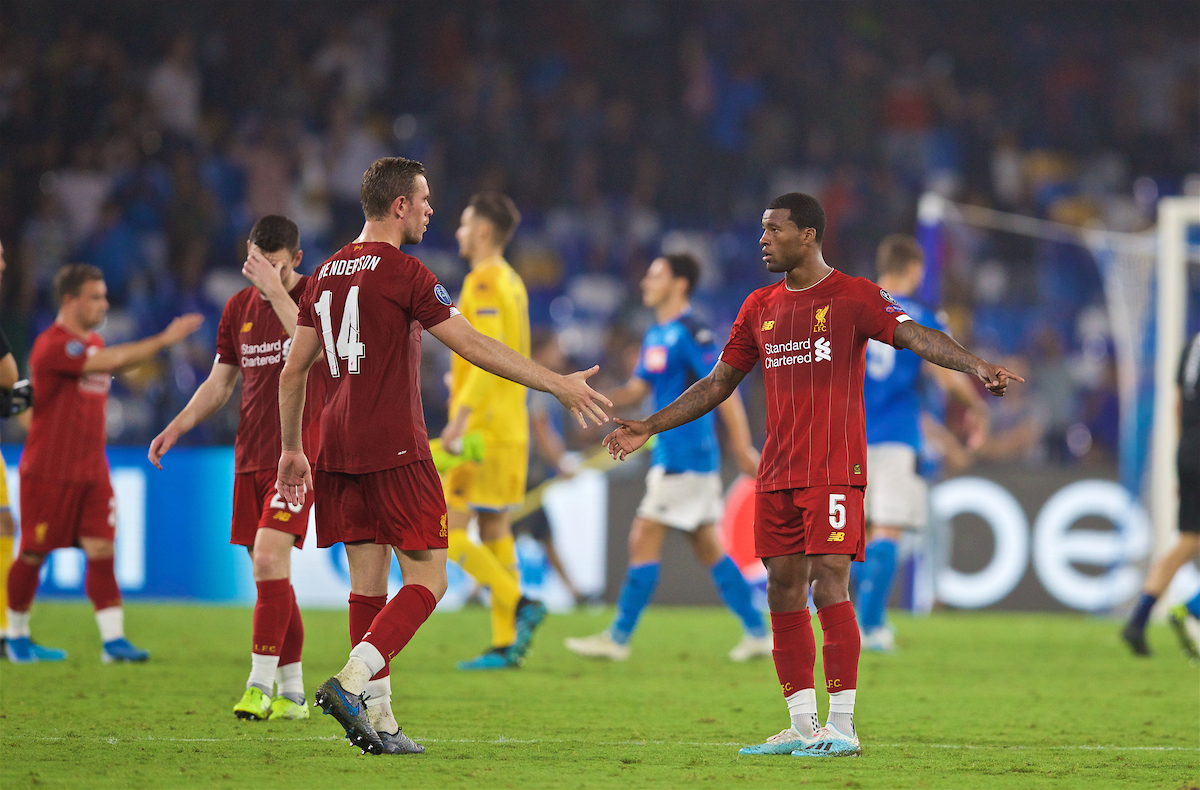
(368, 304)
(252, 338)
(813, 347)
(66, 437)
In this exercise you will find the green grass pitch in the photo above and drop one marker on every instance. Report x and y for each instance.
(971, 700)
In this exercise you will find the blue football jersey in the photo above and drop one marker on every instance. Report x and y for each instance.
(674, 356)
(892, 386)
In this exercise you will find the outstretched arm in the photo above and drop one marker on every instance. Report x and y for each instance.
(941, 349)
(211, 395)
(124, 355)
(495, 357)
(698, 400)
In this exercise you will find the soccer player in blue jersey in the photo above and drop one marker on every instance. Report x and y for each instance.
(896, 494)
(683, 488)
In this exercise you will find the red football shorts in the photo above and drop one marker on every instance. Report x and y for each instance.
(56, 514)
(815, 520)
(401, 507)
(257, 505)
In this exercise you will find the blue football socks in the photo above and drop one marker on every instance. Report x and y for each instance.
(875, 587)
(636, 592)
(1193, 605)
(1141, 612)
(735, 592)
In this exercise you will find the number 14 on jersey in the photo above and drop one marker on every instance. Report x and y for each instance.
(348, 346)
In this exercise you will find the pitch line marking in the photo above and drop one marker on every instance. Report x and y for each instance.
(518, 741)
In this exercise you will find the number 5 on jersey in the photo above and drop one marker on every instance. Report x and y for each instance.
(837, 511)
(348, 346)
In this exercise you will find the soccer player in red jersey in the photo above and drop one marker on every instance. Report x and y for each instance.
(810, 332)
(376, 486)
(66, 496)
(253, 339)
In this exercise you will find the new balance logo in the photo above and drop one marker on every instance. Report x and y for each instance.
(836, 537)
(246, 326)
(768, 326)
(282, 515)
(822, 350)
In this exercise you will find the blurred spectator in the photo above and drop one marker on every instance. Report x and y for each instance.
(174, 88)
(351, 147)
(45, 246)
(617, 134)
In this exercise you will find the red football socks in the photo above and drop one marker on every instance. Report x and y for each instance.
(400, 619)
(272, 611)
(22, 585)
(100, 584)
(363, 610)
(293, 640)
(795, 650)
(842, 646)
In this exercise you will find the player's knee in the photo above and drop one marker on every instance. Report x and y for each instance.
(706, 545)
(96, 549)
(829, 576)
(269, 566)
(787, 587)
(7, 527)
(31, 558)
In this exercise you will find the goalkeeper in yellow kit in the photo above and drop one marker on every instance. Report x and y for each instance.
(494, 301)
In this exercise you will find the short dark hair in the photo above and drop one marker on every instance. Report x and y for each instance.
(686, 266)
(500, 211)
(273, 233)
(385, 180)
(71, 278)
(804, 210)
(896, 253)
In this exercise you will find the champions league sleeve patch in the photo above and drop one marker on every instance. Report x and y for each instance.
(887, 296)
(74, 348)
(442, 294)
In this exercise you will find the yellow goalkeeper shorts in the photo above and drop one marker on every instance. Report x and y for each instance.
(3, 484)
(495, 483)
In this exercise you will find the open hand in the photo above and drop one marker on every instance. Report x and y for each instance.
(580, 399)
(264, 275)
(181, 327)
(295, 477)
(624, 440)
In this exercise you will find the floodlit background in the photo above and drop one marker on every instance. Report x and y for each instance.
(1028, 145)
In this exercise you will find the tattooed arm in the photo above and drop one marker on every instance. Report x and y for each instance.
(699, 399)
(941, 349)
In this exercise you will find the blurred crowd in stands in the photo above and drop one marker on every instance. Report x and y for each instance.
(145, 138)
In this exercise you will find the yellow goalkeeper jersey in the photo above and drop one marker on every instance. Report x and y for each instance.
(495, 302)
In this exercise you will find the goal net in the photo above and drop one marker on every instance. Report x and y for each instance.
(1118, 304)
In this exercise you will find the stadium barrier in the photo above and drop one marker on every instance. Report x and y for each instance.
(1004, 538)
(173, 537)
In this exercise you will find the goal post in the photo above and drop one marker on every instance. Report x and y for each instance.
(1175, 214)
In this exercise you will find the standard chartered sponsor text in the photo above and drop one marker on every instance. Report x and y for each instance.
(788, 358)
(256, 355)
